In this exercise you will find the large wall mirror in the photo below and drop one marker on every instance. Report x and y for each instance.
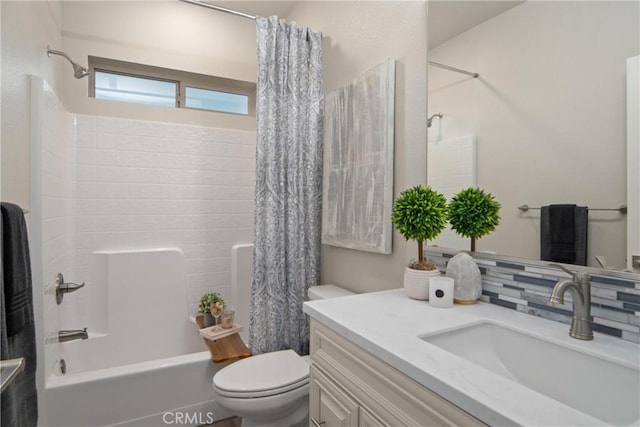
(548, 112)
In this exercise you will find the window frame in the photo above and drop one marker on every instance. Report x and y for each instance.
(187, 86)
(181, 78)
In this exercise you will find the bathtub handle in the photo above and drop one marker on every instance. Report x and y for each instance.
(64, 288)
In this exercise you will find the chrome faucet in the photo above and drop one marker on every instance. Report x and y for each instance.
(75, 334)
(64, 288)
(580, 289)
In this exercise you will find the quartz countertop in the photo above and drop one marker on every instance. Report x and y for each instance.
(388, 325)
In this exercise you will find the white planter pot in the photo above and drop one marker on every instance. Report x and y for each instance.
(416, 282)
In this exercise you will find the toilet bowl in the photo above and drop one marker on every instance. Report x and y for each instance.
(270, 389)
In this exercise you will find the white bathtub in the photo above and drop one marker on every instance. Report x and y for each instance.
(175, 390)
(144, 363)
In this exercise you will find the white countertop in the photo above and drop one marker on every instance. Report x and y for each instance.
(388, 323)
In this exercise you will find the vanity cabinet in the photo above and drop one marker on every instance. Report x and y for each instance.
(331, 406)
(350, 387)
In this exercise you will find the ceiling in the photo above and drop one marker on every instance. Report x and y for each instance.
(257, 7)
(449, 18)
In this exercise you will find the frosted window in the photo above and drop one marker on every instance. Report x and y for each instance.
(213, 100)
(119, 87)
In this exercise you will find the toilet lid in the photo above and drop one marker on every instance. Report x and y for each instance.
(263, 373)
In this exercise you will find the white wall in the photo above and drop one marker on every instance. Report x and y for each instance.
(549, 114)
(358, 36)
(53, 206)
(27, 28)
(168, 34)
(149, 184)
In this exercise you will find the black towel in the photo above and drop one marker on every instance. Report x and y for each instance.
(16, 269)
(17, 329)
(563, 234)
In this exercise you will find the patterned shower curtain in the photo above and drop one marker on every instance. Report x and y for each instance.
(288, 198)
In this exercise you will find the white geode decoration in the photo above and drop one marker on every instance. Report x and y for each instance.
(465, 273)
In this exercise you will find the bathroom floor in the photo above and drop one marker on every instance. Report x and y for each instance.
(229, 422)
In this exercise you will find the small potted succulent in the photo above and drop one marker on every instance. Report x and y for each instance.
(473, 213)
(205, 318)
(420, 214)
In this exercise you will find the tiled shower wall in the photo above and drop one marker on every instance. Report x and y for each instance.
(53, 141)
(147, 184)
(615, 302)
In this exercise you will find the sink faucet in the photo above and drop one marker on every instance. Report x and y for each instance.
(580, 289)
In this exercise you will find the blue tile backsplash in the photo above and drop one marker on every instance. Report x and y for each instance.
(615, 302)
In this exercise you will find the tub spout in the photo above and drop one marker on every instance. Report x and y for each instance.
(75, 334)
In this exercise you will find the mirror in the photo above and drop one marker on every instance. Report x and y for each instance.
(547, 114)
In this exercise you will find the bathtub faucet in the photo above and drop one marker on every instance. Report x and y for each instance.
(75, 334)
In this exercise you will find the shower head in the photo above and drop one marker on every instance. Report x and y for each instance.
(78, 70)
(430, 119)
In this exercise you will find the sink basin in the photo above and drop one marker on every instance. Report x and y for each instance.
(602, 388)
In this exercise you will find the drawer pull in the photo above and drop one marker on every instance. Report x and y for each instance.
(316, 422)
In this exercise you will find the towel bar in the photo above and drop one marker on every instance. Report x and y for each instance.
(622, 209)
(9, 369)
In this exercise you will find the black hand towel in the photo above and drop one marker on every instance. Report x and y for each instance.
(563, 234)
(17, 327)
(16, 269)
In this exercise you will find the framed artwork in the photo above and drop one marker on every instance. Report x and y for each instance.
(358, 162)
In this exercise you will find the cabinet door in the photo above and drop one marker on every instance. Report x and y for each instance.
(328, 405)
(367, 419)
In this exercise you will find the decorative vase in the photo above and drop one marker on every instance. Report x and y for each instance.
(209, 320)
(416, 282)
(465, 273)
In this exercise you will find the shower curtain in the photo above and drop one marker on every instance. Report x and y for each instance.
(288, 197)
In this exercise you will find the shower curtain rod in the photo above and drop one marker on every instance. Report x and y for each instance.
(220, 8)
(246, 15)
(457, 70)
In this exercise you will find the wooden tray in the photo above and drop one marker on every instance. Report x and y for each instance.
(213, 335)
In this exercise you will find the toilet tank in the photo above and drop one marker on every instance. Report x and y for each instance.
(327, 291)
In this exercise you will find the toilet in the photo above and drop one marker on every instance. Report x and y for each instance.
(270, 389)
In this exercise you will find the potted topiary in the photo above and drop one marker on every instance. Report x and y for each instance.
(473, 213)
(205, 318)
(420, 214)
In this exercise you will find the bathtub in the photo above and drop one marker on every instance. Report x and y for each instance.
(144, 363)
(175, 390)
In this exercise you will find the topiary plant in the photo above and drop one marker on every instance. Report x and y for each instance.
(206, 300)
(473, 213)
(420, 214)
